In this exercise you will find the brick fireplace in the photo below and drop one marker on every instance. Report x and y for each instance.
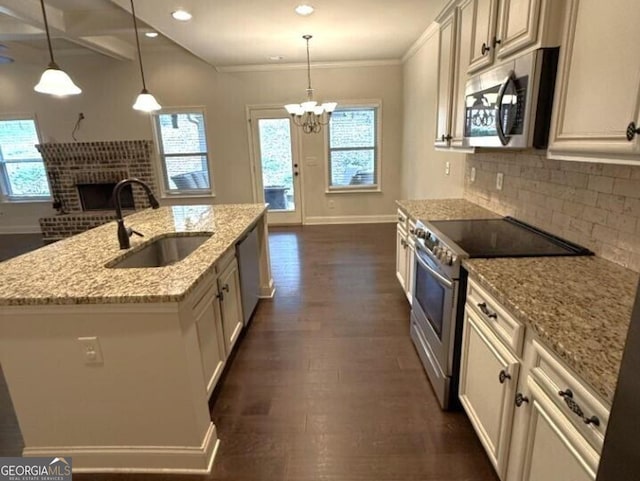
(81, 175)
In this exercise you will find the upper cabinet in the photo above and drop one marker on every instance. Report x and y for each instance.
(446, 64)
(589, 123)
(507, 27)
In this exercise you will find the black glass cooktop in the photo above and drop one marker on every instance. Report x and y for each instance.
(505, 237)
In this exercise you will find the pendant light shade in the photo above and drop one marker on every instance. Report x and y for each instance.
(145, 102)
(54, 80)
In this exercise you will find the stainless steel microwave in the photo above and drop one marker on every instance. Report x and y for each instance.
(510, 105)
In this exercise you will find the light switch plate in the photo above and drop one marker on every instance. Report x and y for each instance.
(499, 180)
(472, 177)
(91, 351)
(447, 168)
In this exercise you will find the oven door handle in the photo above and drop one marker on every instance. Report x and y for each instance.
(443, 280)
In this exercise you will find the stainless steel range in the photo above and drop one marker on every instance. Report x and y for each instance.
(440, 285)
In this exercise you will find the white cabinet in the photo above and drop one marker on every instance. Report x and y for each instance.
(598, 92)
(405, 254)
(519, 25)
(552, 448)
(206, 312)
(482, 31)
(446, 70)
(230, 304)
(535, 418)
(488, 380)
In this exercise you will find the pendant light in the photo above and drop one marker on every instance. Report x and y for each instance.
(54, 81)
(309, 115)
(145, 102)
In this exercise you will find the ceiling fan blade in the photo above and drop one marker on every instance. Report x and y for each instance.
(5, 59)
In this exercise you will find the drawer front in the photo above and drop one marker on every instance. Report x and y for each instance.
(411, 226)
(402, 220)
(510, 331)
(574, 398)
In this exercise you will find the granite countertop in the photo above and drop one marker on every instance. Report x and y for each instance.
(579, 306)
(72, 271)
(444, 209)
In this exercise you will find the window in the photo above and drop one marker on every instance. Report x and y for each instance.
(183, 152)
(22, 172)
(353, 149)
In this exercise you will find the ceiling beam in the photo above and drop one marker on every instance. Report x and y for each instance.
(29, 12)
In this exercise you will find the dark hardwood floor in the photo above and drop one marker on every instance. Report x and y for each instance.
(325, 385)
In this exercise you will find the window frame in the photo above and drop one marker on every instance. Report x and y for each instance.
(375, 105)
(161, 166)
(4, 176)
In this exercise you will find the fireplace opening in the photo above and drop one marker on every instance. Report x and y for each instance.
(100, 196)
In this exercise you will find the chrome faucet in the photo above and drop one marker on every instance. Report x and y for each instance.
(125, 232)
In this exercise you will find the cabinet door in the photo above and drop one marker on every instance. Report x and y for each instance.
(482, 32)
(446, 63)
(210, 339)
(401, 257)
(518, 25)
(599, 79)
(466, 12)
(488, 380)
(553, 448)
(231, 304)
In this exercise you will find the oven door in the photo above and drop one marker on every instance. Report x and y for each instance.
(434, 308)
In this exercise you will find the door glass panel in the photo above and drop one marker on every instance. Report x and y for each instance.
(431, 296)
(277, 163)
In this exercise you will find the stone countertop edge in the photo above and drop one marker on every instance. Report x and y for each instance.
(444, 209)
(73, 271)
(579, 307)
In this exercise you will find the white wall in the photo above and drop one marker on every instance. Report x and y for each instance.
(423, 168)
(179, 79)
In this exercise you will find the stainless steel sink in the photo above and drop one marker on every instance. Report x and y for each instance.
(162, 252)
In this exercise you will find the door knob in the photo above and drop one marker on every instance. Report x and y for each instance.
(296, 174)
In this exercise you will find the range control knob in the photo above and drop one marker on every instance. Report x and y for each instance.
(449, 258)
(436, 250)
(420, 233)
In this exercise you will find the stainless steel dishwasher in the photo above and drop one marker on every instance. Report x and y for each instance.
(247, 251)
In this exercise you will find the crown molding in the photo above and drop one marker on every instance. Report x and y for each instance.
(422, 39)
(303, 66)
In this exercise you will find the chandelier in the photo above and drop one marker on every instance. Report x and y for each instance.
(309, 115)
(145, 102)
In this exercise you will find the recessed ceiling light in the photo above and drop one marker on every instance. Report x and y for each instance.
(151, 34)
(181, 15)
(276, 57)
(304, 10)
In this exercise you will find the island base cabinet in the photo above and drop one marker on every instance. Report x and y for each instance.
(230, 304)
(550, 448)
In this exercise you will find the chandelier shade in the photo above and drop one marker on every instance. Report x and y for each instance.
(54, 80)
(145, 102)
(308, 114)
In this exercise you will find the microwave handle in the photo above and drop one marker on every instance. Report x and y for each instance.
(504, 140)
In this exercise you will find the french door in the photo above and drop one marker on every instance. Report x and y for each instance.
(276, 164)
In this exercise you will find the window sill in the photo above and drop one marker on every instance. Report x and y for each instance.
(353, 190)
(25, 200)
(177, 195)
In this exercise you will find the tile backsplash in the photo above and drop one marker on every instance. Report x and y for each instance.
(595, 205)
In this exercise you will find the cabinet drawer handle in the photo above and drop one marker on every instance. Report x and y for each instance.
(485, 49)
(496, 42)
(503, 376)
(521, 399)
(400, 219)
(225, 287)
(567, 395)
(446, 138)
(485, 310)
(632, 130)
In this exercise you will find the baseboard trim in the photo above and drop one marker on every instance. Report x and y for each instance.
(351, 219)
(138, 459)
(20, 229)
(267, 292)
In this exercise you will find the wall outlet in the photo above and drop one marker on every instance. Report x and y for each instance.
(472, 177)
(91, 351)
(331, 204)
(447, 168)
(499, 180)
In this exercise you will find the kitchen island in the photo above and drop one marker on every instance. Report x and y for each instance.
(114, 366)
